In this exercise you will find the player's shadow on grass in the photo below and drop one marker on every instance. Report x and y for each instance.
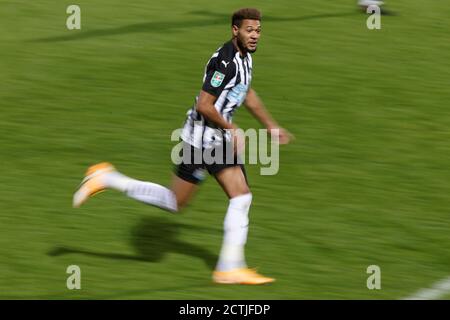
(152, 239)
(174, 26)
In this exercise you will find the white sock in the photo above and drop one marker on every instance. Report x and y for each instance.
(235, 234)
(147, 192)
(370, 2)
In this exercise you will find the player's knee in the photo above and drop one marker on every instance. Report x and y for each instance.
(237, 216)
(239, 191)
(242, 201)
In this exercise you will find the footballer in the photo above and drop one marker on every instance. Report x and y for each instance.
(226, 86)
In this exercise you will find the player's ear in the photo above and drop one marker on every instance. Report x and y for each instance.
(235, 30)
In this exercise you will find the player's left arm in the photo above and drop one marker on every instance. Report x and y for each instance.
(256, 107)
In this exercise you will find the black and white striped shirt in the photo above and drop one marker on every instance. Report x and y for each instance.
(227, 76)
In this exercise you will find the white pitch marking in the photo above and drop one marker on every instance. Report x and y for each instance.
(439, 289)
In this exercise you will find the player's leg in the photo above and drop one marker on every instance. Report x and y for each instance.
(233, 181)
(231, 267)
(364, 4)
(183, 190)
(104, 176)
(187, 176)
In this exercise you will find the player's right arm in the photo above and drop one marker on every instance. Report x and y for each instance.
(205, 106)
(219, 72)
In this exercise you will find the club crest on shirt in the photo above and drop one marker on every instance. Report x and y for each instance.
(217, 79)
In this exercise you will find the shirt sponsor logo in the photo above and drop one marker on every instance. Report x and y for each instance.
(237, 94)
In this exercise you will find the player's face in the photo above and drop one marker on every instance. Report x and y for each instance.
(248, 34)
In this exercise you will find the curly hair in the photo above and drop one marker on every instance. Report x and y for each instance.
(245, 13)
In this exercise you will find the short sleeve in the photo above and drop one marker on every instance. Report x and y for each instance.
(219, 73)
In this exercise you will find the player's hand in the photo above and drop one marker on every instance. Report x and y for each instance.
(238, 139)
(284, 136)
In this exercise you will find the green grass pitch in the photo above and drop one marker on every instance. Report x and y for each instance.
(367, 181)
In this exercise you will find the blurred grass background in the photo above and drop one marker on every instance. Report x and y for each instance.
(366, 182)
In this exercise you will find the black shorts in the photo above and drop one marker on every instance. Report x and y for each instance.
(195, 162)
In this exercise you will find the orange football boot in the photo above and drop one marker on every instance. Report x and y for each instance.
(240, 276)
(92, 183)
